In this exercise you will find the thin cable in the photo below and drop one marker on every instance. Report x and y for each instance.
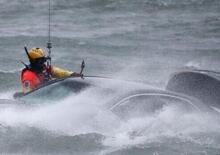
(49, 23)
(49, 44)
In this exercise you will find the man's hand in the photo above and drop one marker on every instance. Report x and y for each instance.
(77, 75)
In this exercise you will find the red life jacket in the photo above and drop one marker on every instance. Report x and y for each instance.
(30, 79)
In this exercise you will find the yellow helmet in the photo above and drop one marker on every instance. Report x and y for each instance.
(36, 53)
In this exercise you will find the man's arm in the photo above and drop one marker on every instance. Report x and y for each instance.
(60, 73)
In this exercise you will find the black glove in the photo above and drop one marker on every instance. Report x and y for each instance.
(77, 75)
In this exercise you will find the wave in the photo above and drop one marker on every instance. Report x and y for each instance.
(205, 63)
(9, 80)
(30, 140)
(178, 4)
(2, 72)
(162, 132)
(114, 4)
(83, 123)
(93, 18)
(29, 6)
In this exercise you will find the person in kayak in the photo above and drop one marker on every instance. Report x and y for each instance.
(40, 71)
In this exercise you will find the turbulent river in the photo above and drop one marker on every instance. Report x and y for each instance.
(138, 44)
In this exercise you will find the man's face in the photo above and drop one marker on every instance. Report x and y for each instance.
(39, 63)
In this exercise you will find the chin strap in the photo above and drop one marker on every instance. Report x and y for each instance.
(26, 66)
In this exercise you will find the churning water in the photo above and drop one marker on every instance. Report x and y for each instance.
(143, 41)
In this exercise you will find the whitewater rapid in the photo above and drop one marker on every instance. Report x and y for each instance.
(144, 41)
(86, 118)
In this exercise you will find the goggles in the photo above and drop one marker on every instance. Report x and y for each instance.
(41, 60)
